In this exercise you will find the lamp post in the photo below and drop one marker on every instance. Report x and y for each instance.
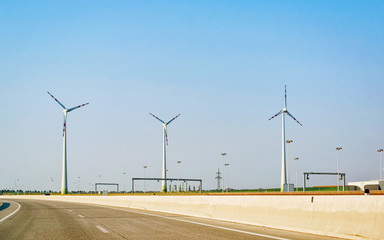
(16, 184)
(178, 175)
(288, 169)
(52, 184)
(144, 177)
(227, 164)
(78, 184)
(381, 164)
(297, 163)
(223, 154)
(124, 182)
(337, 177)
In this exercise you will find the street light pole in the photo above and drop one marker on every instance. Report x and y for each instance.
(178, 175)
(381, 164)
(124, 182)
(52, 184)
(297, 164)
(223, 154)
(144, 177)
(227, 164)
(337, 177)
(78, 184)
(288, 163)
(16, 184)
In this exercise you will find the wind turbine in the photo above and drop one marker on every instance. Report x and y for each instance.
(283, 157)
(64, 180)
(165, 142)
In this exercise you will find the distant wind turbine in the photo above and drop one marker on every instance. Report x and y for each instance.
(165, 142)
(64, 180)
(283, 158)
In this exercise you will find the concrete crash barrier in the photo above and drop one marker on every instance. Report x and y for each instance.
(351, 217)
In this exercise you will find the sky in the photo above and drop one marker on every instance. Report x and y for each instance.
(221, 64)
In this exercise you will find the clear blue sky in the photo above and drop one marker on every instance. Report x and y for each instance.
(221, 64)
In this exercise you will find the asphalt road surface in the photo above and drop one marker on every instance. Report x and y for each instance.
(37, 219)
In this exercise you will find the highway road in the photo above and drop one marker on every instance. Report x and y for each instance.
(39, 219)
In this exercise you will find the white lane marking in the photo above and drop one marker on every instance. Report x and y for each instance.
(202, 224)
(11, 213)
(81, 216)
(102, 229)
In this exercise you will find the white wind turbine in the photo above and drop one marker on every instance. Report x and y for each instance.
(64, 180)
(283, 158)
(165, 142)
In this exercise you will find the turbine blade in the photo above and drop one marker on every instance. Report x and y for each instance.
(294, 118)
(173, 119)
(285, 100)
(166, 136)
(157, 118)
(56, 100)
(277, 114)
(65, 123)
(77, 107)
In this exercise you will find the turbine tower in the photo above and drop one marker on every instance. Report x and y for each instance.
(64, 180)
(165, 142)
(283, 157)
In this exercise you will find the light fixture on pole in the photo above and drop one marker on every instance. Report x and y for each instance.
(165, 142)
(288, 164)
(297, 163)
(64, 181)
(227, 164)
(52, 184)
(338, 150)
(283, 112)
(16, 184)
(381, 164)
(223, 154)
(78, 184)
(145, 167)
(178, 175)
(124, 182)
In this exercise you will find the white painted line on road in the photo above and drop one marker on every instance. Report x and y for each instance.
(102, 229)
(9, 215)
(81, 216)
(202, 224)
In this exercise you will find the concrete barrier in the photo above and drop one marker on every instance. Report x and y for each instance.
(351, 217)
